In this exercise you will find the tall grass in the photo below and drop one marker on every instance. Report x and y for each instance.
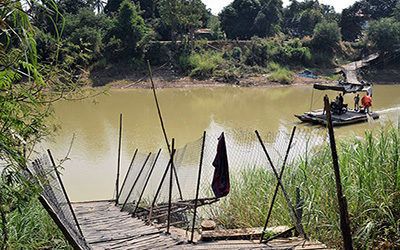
(32, 228)
(370, 171)
(280, 74)
(202, 65)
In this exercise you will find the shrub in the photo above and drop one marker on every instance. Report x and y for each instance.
(280, 74)
(203, 65)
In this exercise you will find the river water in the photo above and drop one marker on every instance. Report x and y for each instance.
(93, 123)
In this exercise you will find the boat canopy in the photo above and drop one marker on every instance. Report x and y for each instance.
(344, 87)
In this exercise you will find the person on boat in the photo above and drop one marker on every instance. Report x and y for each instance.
(340, 103)
(357, 102)
(366, 102)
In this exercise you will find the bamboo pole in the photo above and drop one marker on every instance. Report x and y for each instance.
(170, 185)
(277, 185)
(119, 160)
(198, 186)
(292, 211)
(64, 191)
(163, 127)
(127, 173)
(344, 215)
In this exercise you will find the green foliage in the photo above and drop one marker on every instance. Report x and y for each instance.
(202, 65)
(237, 19)
(215, 25)
(280, 74)
(262, 51)
(302, 17)
(370, 172)
(182, 16)
(84, 33)
(32, 228)
(25, 105)
(326, 36)
(127, 37)
(269, 19)
(384, 34)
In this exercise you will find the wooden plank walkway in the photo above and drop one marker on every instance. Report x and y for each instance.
(106, 227)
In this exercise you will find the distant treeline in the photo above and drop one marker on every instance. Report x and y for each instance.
(99, 33)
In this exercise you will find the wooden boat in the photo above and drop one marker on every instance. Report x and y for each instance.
(345, 116)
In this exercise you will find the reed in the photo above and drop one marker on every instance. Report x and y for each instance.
(32, 228)
(370, 171)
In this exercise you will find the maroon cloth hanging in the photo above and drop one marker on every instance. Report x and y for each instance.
(220, 183)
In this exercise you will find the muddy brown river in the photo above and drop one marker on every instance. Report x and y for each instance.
(90, 172)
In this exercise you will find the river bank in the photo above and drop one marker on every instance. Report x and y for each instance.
(167, 78)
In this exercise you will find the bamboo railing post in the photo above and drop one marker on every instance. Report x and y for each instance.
(198, 186)
(119, 160)
(147, 181)
(277, 185)
(64, 191)
(292, 211)
(136, 180)
(170, 185)
(127, 173)
(163, 126)
(344, 215)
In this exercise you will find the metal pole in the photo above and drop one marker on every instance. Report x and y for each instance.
(136, 180)
(64, 191)
(170, 185)
(198, 186)
(292, 211)
(126, 175)
(277, 185)
(119, 160)
(147, 181)
(162, 126)
(344, 215)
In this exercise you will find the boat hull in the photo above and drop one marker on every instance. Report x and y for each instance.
(348, 118)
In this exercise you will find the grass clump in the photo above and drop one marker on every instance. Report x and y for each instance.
(203, 65)
(370, 172)
(32, 228)
(280, 74)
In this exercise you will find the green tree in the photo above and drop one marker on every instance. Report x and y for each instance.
(85, 32)
(300, 18)
(125, 39)
(112, 6)
(237, 18)
(326, 36)
(25, 106)
(269, 19)
(182, 16)
(72, 6)
(384, 34)
(352, 21)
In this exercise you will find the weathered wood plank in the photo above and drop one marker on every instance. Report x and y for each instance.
(106, 227)
(243, 233)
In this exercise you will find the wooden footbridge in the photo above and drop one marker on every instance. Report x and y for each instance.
(104, 225)
(350, 70)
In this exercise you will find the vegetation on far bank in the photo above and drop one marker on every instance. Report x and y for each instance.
(249, 34)
(370, 171)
